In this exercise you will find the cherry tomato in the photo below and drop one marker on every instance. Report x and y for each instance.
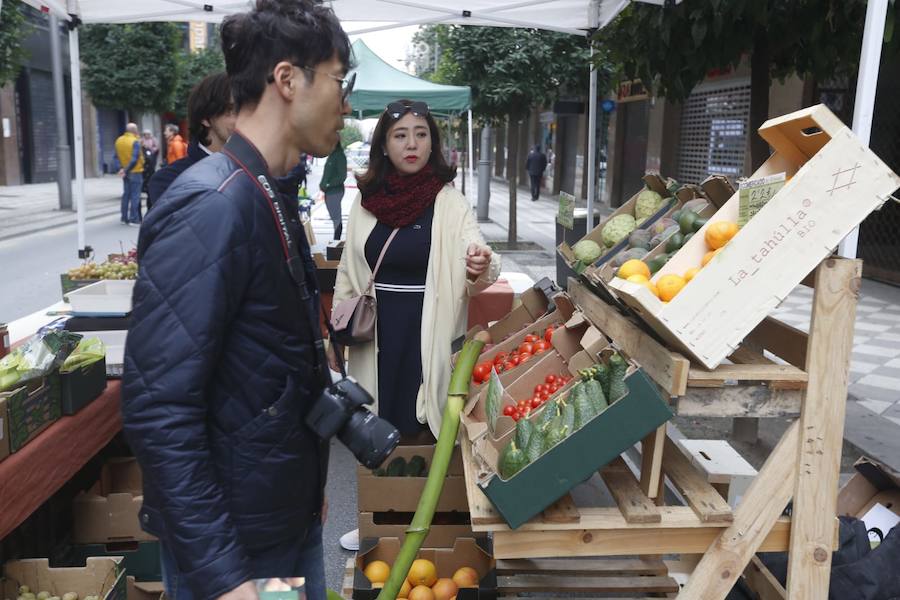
(516, 416)
(508, 410)
(482, 371)
(531, 338)
(509, 365)
(515, 359)
(541, 345)
(548, 334)
(539, 388)
(550, 379)
(535, 402)
(522, 404)
(500, 358)
(524, 358)
(544, 395)
(553, 388)
(499, 368)
(526, 347)
(525, 411)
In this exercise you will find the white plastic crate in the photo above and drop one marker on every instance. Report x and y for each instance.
(834, 183)
(107, 297)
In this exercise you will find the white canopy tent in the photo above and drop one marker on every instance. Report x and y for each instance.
(569, 16)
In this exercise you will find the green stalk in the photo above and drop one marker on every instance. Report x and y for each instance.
(440, 462)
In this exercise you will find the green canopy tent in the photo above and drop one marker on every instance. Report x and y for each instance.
(378, 83)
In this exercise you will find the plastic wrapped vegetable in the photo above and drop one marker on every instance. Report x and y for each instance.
(39, 356)
(88, 351)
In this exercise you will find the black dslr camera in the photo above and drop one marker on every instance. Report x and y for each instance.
(341, 411)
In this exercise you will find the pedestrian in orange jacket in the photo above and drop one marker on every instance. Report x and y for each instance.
(175, 144)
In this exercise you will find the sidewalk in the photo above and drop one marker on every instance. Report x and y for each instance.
(873, 407)
(30, 208)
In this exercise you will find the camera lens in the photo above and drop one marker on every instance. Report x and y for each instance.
(370, 438)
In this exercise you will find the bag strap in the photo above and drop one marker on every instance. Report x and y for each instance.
(380, 258)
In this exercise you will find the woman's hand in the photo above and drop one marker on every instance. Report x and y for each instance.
(331, 355)
(478, 259)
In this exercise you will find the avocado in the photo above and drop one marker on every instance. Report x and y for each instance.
(687, 238)
(657, 262)
(698, 223)
(675, 242)
(397, 467)
(686, 221)
(416, 467)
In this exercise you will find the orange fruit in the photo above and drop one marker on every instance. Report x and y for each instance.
(377, 571)
(466, 577)
(422, 572)
(421, 592)
(638, 278)
(634, 266)
(709, 256)
(669, 286)
(404, 589)
(690, 273)
(720, 233)
(444, 589)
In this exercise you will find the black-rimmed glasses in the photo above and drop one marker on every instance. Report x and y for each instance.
(345, 83)
(398, 109)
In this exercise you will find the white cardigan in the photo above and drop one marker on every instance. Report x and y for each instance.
(444, 309)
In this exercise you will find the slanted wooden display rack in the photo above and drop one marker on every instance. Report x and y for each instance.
(804, 465)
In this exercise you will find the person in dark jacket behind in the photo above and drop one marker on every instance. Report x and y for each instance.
(210, 119)
(535, 164)
(332, 184)
(221, 362)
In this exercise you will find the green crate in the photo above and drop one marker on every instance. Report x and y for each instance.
(141, 560)
(31, 408)
(581, 454)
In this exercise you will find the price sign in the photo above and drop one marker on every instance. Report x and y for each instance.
(566, 214)
(755, 193)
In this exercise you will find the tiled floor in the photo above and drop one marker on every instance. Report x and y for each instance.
(875, 363)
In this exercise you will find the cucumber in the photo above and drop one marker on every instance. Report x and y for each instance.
(524, 431)
(603, 377)
(584, 410)
(396, 468)
(415, 467)
(535, 446)
(568, 414)
(596, 396)
(512, 460)
(617, 369)
(556, 434)
(548, 413)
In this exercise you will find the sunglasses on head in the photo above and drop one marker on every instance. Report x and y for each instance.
(398, 109)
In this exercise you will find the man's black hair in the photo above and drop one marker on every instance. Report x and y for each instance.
(304, 32)
(209, 99)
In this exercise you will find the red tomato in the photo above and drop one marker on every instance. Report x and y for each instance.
(482, 371)
(524, 412)
(550, 379)
(516, 416)
(515, 359)
(522, 404)
(508, 410)
(535, 402)
(548, 334)
(500, 358)
(539, 388)
(499, 368)
(524, 358)
(531, 338)
(509, 365)
(526, 347)
(541, 345)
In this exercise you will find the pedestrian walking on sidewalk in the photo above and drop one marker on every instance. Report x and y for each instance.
(535, 164)
(418, 235)
(211, 120)
(176, 147)
(224, 359)
(131, 170)
(150, 150)
(332, 184)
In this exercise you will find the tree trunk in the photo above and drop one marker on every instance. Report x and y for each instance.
(512, 172)
(499, 146)
(760, 81)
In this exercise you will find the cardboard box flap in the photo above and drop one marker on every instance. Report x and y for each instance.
(880, 475)
(717, 189)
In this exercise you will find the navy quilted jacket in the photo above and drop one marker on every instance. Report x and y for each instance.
(219, 375)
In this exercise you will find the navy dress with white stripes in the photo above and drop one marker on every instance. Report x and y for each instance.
(399, 292)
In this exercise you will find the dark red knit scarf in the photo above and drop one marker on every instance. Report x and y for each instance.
(403, 198)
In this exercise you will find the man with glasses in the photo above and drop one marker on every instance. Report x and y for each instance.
(223, 358)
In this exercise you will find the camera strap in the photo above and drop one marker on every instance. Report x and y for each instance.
(241, 151)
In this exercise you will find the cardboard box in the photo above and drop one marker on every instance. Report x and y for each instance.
(534, 303)
(656, 183)
(603, 438)
(834, 182)
(101, 577)
(108, 512)
(30, 409)
(445, 529)
(564, 310)
(401, 494)
(144, 590)
(334, 250)
(576, 346)
(873, 483)
(465, 552)
(326, 272)
(80, 387)
(140, 559)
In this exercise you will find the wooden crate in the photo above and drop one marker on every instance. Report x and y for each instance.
(834, 183)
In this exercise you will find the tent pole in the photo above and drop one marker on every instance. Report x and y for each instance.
(63, 152)
(469, 157)
(78, 130)
(866, 86)
(592, 128)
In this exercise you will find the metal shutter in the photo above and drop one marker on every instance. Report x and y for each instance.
(714, 124)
